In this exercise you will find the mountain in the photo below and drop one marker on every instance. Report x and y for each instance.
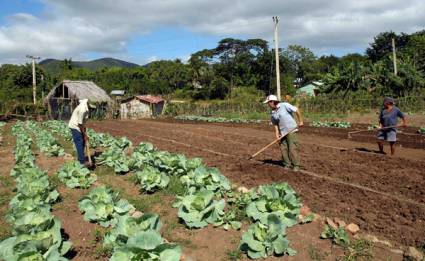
(53, 65)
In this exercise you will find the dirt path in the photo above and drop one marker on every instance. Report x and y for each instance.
(403, 178)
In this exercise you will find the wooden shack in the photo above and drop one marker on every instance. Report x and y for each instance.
(141, 106)
(65, 96)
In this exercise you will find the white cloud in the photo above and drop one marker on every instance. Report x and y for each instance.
(74, 28)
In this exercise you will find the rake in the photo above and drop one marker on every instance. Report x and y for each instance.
(353, 132)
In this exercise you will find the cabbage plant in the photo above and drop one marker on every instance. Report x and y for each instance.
(40, 240)
(200, 209)
(147, 245)
(278, 199)
(150, 179)
(73, 175)
(263, 240)
(128, 226)
(115, 159)
(206, 178)
(103, 206)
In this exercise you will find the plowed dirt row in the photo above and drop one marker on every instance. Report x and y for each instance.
(399, 221)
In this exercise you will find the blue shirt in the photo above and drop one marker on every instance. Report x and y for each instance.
(283, 118)
(389, 118)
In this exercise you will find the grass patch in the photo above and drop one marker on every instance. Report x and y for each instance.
(309, 116)
(102, 171)
(360, 249)
(234, 255)
(4, 232)
(175, 187)
(54, 180)
(315, 253)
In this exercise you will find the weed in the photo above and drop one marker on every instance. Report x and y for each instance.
(359, 249)
(102, 252)
(175, 187)
(4, 232)
(54, 180)
(103, 171)
(234, 255)
(315, 254)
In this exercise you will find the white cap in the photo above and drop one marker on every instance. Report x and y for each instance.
(271, 98)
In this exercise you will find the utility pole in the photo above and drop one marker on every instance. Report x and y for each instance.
(276, 51)
(34, 84)
(394, 56)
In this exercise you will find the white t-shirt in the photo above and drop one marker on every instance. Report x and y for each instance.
(79, 115)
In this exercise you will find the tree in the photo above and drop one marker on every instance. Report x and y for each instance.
(302, 63)
(381, 45)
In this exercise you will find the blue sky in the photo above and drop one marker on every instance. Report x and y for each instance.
(144, 30)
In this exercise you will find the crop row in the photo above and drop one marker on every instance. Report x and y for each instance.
(330, 124)
(214, 119)
(208, 197)
(132, 235)
(36, 232)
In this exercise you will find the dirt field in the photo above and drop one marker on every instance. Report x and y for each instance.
(385, 196)
(340, 178)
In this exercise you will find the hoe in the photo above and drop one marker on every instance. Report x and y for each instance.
(269, 145)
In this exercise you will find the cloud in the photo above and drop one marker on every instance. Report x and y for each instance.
(75, 28)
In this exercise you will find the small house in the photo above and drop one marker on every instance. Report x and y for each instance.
(310, 90)
(141, 106)
(64, 97)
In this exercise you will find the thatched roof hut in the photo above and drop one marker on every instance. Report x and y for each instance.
(64, 97)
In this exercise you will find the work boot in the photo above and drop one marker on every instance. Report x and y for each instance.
(296, 168)
(87, 165)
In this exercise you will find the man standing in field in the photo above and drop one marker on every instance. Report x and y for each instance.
(285, 126)
(388, 123)
(78, 129)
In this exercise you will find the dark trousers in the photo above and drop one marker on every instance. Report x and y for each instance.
(78, 139)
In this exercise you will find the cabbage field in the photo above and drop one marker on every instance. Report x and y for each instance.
(209, 199)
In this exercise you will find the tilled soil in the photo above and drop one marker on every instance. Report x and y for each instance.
(384, 195)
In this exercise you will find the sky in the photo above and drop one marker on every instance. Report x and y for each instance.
(142, 31)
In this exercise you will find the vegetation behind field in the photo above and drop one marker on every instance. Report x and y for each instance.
(238, 73)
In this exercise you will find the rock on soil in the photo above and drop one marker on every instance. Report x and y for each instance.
(352, 228)
(305, 211)
(340, 222)
(243, 190)
(331, 223)
(414, 254)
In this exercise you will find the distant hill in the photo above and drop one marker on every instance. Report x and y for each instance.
(53, 65)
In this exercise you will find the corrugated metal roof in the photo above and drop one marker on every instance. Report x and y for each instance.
(150, 98)
(118, 92)
(308, 89)
(82, 90)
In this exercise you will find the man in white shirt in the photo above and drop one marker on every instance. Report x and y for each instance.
(285, 125)
(78, 129)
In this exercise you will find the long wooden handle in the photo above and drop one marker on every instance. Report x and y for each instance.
(389, 127)
(88, 152)
(266, 147)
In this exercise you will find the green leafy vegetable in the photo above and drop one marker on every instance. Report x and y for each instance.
(200, 209)
(338, 236)
(151, 179)
(206, 178)
(103, 206)
(128, 226)
(76, 176)
(263, 240)
(278, 199)
(147, 245)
